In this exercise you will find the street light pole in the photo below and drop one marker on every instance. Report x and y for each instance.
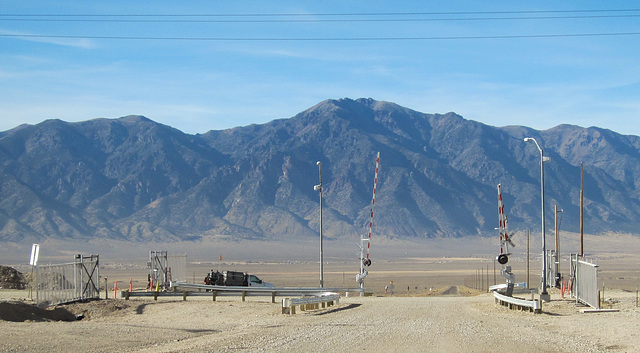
(544, 296)
(319, 188)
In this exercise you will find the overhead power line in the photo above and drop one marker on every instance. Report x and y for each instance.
(154, 19)
(332, 14)
(323, 17)
(293, 39)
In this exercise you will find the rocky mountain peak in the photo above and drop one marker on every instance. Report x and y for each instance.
(137, 179)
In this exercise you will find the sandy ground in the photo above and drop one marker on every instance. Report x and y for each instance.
(418, 317)
(374, 324)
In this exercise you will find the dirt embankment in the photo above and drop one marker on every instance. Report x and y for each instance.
(11, 278)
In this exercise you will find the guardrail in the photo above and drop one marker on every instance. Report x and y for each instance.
(190, 289)
(518, 304)
(313, 303)
(503, 286)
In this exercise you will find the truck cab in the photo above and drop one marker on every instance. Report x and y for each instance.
(254, 281)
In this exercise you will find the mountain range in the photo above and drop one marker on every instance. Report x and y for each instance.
(135, 179)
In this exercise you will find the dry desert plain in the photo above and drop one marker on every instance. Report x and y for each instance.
(418, 317)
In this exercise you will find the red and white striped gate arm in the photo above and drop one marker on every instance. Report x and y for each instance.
(373, 202)
(501, 220)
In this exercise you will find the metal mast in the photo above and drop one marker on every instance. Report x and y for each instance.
(364, 257)
(505, 241)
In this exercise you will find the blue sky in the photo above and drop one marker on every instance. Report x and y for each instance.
(499, 62)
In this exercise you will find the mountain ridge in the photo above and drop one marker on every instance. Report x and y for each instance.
(132, 178)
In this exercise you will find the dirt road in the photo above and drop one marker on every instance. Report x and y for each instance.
(372, 324)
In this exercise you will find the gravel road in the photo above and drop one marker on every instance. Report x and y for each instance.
(371, 324)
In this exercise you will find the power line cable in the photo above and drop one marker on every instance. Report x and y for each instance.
(331, 14)
(461, 19)
(327, 39)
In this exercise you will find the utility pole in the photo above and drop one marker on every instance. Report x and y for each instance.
(528, 283)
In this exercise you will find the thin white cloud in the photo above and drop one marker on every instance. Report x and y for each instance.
(337, 54)
(83, 43)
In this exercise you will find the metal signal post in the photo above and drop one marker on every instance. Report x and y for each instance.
(505, 241)
(364, 258)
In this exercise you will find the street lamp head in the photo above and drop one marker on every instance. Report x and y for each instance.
(527, 139)
(319, 163)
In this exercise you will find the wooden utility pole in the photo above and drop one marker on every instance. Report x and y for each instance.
(528, 259)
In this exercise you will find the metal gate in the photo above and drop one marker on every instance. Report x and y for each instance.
(164, 268)
(158, 270)
(585, 282)
(70, 282)
(177, 266)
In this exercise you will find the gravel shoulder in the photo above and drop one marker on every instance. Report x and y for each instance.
(375, 324)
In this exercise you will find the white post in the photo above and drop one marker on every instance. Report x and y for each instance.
(543, 295)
